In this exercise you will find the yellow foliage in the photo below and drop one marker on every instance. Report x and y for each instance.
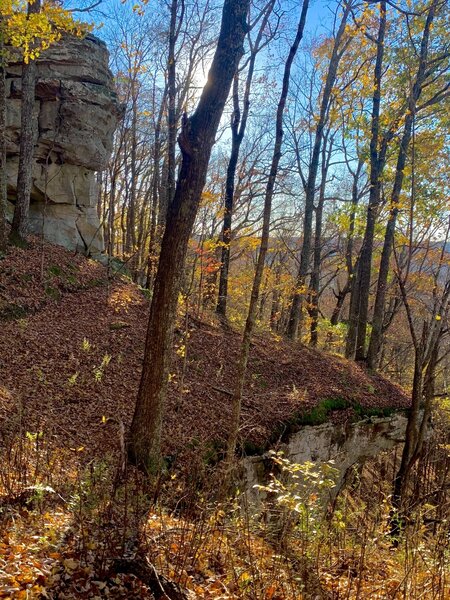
(36, 32)
(209, 198)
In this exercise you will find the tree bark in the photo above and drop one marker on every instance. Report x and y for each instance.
(3, 174)
(359, 301)
(19, 226)
(196, 141)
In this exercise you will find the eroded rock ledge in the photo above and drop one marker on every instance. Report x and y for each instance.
(76, 113)
(345, 444)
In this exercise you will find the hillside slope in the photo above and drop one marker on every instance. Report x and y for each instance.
(71, 347)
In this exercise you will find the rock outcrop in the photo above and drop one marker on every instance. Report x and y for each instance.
(345, 444)
(76, 113)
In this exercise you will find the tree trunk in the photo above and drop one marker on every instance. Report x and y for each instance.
(130, 239)
(112, 216)
(171, 108)
(340, 298)
(3, 174)
(359, 302)
(251, 316)
(163, 203)
(423, 393)
(315, 276)
(426, 358)
(275, 310)
(19, 227)
(412, 430)
(154, 233)
(380, 299)
(221, 308)
(299, 295)
(196, 141)
(317, 254)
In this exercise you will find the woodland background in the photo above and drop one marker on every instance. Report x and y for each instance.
(280, 172)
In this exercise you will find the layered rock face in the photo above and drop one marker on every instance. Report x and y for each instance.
(76, 113)
(346, 444)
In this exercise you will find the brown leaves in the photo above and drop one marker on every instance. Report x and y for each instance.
(70, 364)
(28, 553)
(41, 274)
(77, 358)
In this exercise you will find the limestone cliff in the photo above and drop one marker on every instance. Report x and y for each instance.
(346, 444)
(76, 113)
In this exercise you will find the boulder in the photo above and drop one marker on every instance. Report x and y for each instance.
(76, 113)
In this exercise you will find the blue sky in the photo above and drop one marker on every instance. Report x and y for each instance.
(319, 20)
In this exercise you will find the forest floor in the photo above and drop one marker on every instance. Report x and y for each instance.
(71, 348)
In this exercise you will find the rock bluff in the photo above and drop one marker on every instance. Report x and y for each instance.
(76, 113)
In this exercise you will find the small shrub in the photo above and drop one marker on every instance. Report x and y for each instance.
(319, 414)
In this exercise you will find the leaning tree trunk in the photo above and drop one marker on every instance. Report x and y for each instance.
(251, 316)
(3, 175)
(24, 177)
(196, 141)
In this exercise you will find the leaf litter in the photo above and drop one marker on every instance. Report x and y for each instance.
(71, 348)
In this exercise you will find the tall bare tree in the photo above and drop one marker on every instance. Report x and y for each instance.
(340, 43)
(238, 127)
(264, 245)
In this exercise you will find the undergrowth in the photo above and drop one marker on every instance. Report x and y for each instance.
(65, 520)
